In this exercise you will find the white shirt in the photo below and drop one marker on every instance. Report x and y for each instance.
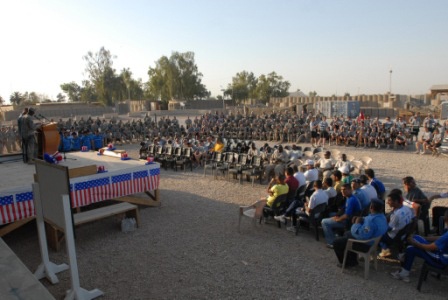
(300, 178)
(369, 191)
(399, 218)
(341, 163)
(326, 163)
(311, 175)
(331, 192)
(318, 197)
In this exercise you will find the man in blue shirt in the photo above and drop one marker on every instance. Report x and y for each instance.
(433, 250)
(372, 226)
(377, 184)
(360, 194)
(352, 208)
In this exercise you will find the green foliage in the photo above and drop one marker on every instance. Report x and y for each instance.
(16, 98)
(176, 77)
(73, 91)
(2, 100)
(102, 75)
(60, 97)
(246, 86)
(312, 94)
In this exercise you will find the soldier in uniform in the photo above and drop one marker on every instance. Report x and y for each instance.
(27, 133)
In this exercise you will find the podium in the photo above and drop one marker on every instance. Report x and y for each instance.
(48, 139)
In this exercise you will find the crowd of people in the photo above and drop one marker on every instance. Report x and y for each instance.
(355, 206)
(283, 126)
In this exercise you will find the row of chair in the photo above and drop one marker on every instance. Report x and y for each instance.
(235, 165)
(168, 157)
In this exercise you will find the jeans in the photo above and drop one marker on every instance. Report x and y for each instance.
(328, 226)
(340, 244)
(412, 252)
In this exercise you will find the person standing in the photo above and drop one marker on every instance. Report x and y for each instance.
(27, 133)
(19, 125)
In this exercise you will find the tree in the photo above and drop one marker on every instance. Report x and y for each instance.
(1, 100)
(87, 92)
(100, 71)
(16, 98)
(60, 97)
(243, 87)
(272, 85)
(33, 98)
(72, 90)
(312, 94)
(130, 88)
(176, 77)
(347, 95)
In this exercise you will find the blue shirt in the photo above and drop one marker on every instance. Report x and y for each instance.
(76, 144)
(442, 248)
(98, 141)
(362, 197)
(378, 185)
(374, 225)
(352, 207)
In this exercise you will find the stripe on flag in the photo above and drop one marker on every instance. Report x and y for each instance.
(6, 209)
(24, 207)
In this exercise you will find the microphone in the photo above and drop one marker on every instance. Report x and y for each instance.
(36, 116)
(41, 116)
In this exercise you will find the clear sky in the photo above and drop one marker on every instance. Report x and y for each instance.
(332, 46)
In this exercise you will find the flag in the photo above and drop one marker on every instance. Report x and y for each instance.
(24, 206)
(6, 209)
(90, 191)
(121, 185)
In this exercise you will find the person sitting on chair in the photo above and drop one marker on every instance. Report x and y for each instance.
(326, 164)
(278, 160)
(276, 187)
(311, 173)
(372, 226)
(318, 197)
(343, 218)
(398, 219)
(433, 250)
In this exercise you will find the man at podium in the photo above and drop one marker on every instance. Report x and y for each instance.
(27, 129)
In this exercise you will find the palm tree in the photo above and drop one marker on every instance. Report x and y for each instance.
(16, 98)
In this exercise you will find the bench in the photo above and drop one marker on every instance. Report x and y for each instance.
(55, 234)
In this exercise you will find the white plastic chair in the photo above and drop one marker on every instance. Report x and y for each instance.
(359, 167)
(366, 255)
(254, 211)
(366, 160)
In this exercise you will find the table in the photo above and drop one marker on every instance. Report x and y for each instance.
(122, 179)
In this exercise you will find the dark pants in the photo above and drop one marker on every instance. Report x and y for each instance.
(438, 213)
(339, 246)
(27, 148)
(424, 216)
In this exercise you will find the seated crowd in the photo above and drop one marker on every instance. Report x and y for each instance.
(356, 210)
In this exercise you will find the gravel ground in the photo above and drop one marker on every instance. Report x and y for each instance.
(190, 248)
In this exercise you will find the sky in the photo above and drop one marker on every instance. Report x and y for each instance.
(327, 46)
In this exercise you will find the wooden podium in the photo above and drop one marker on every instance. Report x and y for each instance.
(48, 139)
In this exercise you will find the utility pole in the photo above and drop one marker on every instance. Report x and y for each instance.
(390, 81)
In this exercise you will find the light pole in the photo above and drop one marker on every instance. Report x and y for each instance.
(390, 81)
(223, 95)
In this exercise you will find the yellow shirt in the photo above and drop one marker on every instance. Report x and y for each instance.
(218, 147)
(277, 190)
